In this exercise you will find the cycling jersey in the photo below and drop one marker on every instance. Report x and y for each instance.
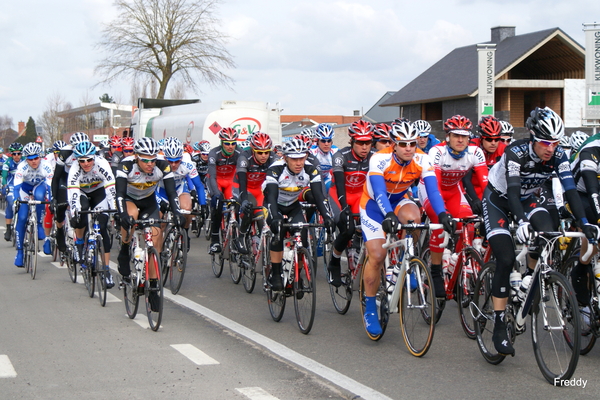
(490, 160)
(26, 177)
(350, 174)
(221, 170)
(100, 177)
(8, 172)
(251, 175)
(290, 185)
(325, 163)
(184, 174)
(431, 141)
(140, 185)
(586, 172)
(450, 170)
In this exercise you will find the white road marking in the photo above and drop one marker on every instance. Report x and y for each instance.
(194, 354)
(256, 393)
(111, 298)
(6, 368)
(57, 264)
(142, 319)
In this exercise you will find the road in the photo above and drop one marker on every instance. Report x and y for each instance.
(218, 342)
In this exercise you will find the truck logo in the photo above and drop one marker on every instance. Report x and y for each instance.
(246, 126)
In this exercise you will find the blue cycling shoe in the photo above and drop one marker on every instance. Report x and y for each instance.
(372, 324)
(47, 246)
(19, 259)
(41, 233)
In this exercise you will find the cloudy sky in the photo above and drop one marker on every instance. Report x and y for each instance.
(313, 57)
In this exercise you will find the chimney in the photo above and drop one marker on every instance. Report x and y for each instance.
(499, 33)
(21, 127)
(357, 113)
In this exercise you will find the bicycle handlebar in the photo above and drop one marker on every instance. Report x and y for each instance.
(414, 226)
(33, 202)
(97, 211)
(302, 225)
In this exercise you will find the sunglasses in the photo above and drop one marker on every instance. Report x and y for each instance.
(325, 140)
(16, 154)
(384, 141)
(127, 150)
(85, 160)
(262, 151)
(34, 158)
(363, 142)
(547, 143)
(506, 140)
(229, 143)
(492, 140)
(147, 160)
(407, 144)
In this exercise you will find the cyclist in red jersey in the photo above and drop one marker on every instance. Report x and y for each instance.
(350, 167)
(452, 160)
(251, 173)
(490, 141)
(222, 162)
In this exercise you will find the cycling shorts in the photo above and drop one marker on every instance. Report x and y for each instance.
(371, 218)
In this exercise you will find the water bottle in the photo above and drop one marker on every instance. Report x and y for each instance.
(138, 255)
(286, 262)
(446, 261)
(515, 284)
(389, 279)
(452, 264)
(597, 275)
(478, 245)
(524, 287)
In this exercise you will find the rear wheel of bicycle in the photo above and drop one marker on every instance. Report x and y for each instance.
(342, 296)
(555, 328)
(87, 272)
(71, 266)
(275, 300)
(483, 312)
(440, 304)
(381, 299)
(153, 290)
(417, 306)
(588, 328)
(207, 226)
(305, 293)
(101, 271)
(131, 297)
(248, 267)
(33, 253)
(235, 268)
(178, 260)
(465, 286)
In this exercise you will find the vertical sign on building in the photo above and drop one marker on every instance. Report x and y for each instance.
(486, 54)
(592, 71)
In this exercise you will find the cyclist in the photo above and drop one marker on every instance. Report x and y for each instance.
(184, 171)
(32, 179)
(251, 173)
(452, 160)
(222, 162)
(136, 182)
(324, 152)
(51, 158)
(59, 186)
(309, 132)
(513, 183)
(8, 177)
(115, 154)
(577, 139)
(426, 139)
(127, 144)
(565, 143)
(201, 159)
(350, 166)
(91, 185)
(283, 184)
(507, 132)
(278, 150)
(383, 205)
(490, 141)
(381, 136)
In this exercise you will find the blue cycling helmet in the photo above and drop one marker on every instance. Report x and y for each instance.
(324, 132)
(58, 145)
(84, 149)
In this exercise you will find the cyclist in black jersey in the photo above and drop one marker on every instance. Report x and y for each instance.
(512, 188)
(284, 182)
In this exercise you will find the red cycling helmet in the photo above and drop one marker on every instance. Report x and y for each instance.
(382, 132)
(304, 138)
(261, 141)
(115, 141)
(127, 143)
(228, 134)
(489, 127)
(459, 125)
(361, 130)
(187, 148)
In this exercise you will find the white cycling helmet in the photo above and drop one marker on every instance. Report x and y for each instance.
(422, 127)
(78, 137)
(403, 131)
(146, 146)
(324, 132)
(545, 124)
(173, 149)
(32, 150)
(577, 139)
(295, 148)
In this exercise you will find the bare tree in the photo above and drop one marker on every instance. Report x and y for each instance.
(52, 125)
(157, 39)
(177, 90)
(6, 123)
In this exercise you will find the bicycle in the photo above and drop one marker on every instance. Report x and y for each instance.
(174, 254)
(298, 279)
(250, 262)
(413, 299)
(68, 256)
(93, 267)
(550, 301)
(228, 233)
(350, 265)
(460, 276)
(30, 241)
(138, 283)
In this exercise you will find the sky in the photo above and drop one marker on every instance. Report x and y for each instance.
(312, 57)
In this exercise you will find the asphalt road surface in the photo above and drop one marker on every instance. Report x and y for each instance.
(218, 342)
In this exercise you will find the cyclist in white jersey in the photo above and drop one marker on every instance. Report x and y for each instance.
(324, 152)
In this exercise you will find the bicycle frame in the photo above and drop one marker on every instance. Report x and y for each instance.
(463, 243)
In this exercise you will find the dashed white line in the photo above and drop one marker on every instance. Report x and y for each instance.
(142, 320)
(256, 393)
(6, 368)
(194, 354)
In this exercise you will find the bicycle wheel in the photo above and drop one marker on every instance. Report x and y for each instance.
(207, 226)
(166, 254)
(440, 304)
(178, 260)
(235, 269)
(153, 290)
(467, 279)
(276, 300)
(417, 305)
(342, 296)
(483, 313)
(27, 243)
(555, 328)
(87, 272)
(305, 293)
(33, 249)
(131, 297)
(71, 265)
(100, 270)
(248, 267)
(587, 327)
(380, 298)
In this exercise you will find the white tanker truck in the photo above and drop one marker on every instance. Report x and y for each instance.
(192, 121)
